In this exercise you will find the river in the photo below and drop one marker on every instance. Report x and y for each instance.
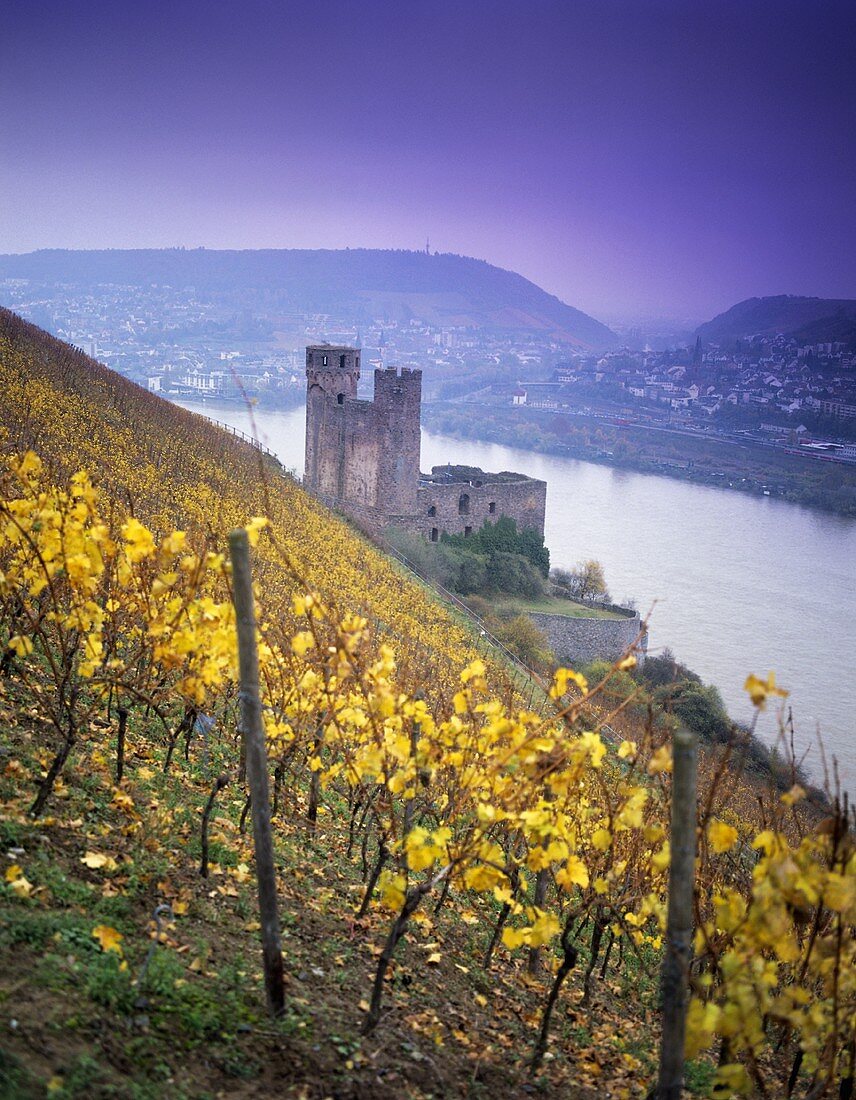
(735, 583)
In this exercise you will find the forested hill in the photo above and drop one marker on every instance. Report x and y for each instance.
(361, 283)
(811, 320)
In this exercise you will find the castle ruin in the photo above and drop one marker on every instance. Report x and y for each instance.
(363, 457)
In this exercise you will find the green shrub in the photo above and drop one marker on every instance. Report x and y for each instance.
(520, 635)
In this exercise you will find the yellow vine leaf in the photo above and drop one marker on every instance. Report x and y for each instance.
(759, 690)
(514, 937)
(255, 527)
(391, 888)
(661, 761)
(545, 928)
(562, 677)
(732, 1078)
(722, 837)
(139, 541)
(794, 795)
(601, 839)
(574, 873)
(21, 644)
(702, 1021)
(839, 894)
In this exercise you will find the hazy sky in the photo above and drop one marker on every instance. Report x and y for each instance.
(663, 156)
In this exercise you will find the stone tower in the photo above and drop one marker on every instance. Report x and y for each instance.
(362, 456)
(332, 376)
(398, 401)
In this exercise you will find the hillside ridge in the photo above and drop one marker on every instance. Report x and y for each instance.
(440, 288)
(798, 316)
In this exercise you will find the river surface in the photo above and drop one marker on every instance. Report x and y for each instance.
(735, 583)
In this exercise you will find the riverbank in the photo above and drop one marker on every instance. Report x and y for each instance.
(721, 463)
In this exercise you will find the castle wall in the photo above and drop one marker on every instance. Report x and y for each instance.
(524, 501)
(359, 455)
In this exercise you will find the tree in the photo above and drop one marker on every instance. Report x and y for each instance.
(562, 578)
(587, 581)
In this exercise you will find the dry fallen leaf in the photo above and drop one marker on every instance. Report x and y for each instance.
(22, 887)
(108, 938)
(97, 860)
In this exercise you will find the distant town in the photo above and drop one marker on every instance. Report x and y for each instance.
(770, 389)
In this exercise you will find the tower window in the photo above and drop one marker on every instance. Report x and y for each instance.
(464, 504)
(341, 362)
(435, 534)
(467, 532)
(492, 507)
(432, 511)
(340, 398)
(324, 361)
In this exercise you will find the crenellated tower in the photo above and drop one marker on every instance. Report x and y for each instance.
(332, 377)
(398, 400)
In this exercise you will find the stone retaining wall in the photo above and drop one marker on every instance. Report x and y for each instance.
(578, 641)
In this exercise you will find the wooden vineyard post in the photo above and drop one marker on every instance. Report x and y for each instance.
(674, 981)
(256, 758)
(120, 744)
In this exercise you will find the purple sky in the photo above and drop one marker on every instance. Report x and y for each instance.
(630, 156)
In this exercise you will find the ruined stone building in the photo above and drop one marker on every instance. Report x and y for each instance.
(362, 457)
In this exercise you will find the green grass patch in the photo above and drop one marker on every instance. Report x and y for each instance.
(548, 605)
